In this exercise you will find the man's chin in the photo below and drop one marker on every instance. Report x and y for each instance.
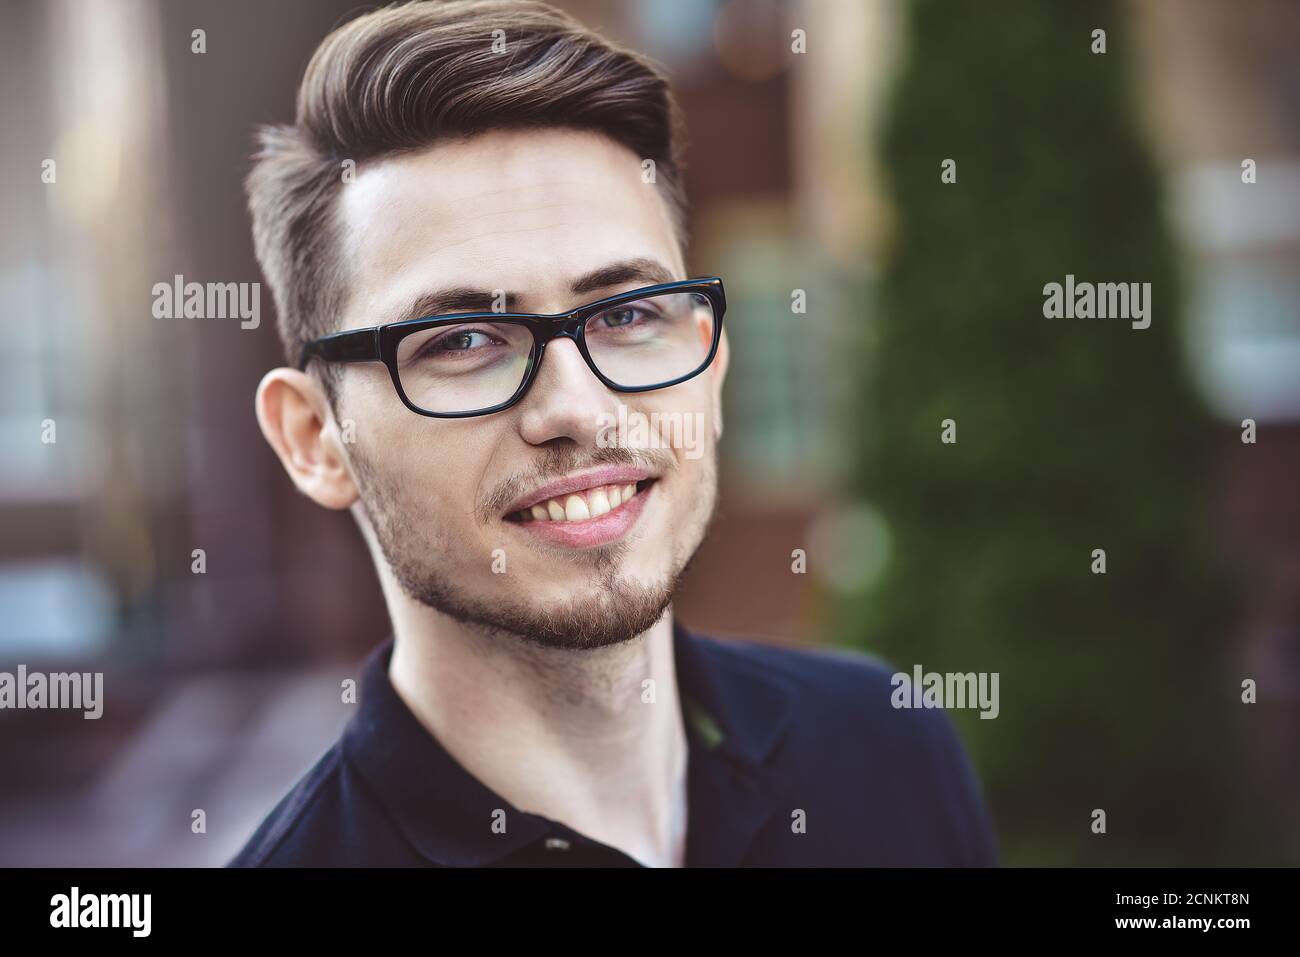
(609, 613)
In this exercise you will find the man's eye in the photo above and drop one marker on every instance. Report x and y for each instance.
(616, 318)
(462, 341)
(619, 317)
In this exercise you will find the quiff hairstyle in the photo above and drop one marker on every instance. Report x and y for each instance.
(405, 77)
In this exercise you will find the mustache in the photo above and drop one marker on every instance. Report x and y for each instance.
(556, 462)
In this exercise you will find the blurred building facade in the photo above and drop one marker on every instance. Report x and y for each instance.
(1221, 91)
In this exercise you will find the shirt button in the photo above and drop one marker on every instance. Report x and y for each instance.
(556, 844)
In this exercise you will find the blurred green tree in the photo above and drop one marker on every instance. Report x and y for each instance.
(1072, 435)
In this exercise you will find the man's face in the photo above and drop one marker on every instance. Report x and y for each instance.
(525, 214)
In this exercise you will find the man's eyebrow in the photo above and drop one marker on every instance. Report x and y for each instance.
(449, 302)
(643, 270)
(446, 302)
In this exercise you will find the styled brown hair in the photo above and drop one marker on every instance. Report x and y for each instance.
(404, 77)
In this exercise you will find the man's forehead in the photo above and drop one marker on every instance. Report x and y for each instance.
(515, 210)
(500, 183)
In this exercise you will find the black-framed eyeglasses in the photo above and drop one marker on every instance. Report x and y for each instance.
(475, 363)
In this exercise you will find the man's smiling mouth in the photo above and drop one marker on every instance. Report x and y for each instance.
(585, 509)
(581, 505)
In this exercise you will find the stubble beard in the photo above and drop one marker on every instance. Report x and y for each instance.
(613, 609)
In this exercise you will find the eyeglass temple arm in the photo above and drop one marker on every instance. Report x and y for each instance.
(357, 345)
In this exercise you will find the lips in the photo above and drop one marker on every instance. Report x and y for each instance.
(592, 489)
(586, 511)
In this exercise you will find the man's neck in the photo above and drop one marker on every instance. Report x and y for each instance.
(593, 739)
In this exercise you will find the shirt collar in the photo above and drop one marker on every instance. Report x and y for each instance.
(735, 714)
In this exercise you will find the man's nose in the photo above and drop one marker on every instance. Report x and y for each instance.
(566, 399)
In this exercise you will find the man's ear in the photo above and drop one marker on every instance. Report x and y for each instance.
(297, 421)
(718, 372)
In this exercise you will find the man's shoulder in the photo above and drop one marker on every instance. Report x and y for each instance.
(842, 689)
(824, 663)
(846, 682)
(848, 732)
(285, 835)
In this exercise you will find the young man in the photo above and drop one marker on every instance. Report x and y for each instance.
(538, 704)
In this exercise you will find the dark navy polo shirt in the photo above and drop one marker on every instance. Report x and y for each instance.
(796, 757)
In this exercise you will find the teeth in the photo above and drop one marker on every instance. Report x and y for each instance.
(580, 506)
